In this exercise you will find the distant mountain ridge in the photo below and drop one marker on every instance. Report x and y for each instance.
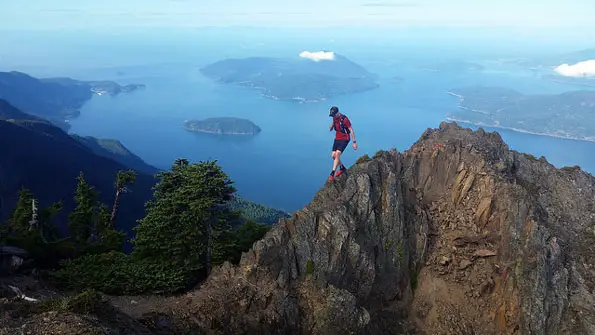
(298, 79)
(55, 99)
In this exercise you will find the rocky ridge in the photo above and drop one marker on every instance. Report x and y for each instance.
(457, 235)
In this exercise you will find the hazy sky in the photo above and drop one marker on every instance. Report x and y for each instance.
(44, 14)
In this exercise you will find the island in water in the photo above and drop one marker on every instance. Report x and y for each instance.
(223, 126)
(54, 99)
(568, 115)
(300, 79)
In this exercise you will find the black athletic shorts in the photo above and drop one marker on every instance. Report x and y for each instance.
(340, 145)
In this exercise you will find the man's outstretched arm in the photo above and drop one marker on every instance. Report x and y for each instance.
(353, 137)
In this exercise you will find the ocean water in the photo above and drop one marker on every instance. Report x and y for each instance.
(289, 161)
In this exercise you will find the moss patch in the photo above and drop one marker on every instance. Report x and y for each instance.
(309, 267)
(400, 253)
(363, 159)
(530, 157)
(84, 303)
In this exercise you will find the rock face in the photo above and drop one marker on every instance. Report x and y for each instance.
(457, 235)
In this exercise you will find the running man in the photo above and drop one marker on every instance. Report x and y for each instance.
(342, 126)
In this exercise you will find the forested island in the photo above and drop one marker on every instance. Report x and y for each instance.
(568, 115)
(223, 126)
(299, 79)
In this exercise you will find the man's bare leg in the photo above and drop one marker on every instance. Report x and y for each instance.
(337, 162)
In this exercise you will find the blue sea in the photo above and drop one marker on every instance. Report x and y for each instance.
(289, 161)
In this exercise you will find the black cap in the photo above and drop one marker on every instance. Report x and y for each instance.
(334, 110)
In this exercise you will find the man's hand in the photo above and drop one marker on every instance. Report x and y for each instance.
(353, 137)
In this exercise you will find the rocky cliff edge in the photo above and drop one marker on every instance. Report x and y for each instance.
(457, 235)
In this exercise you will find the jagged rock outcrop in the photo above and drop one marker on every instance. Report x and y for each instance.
(457, 235)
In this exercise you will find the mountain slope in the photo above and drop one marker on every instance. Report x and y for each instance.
(38, 155)
(109, 148)
(457, 235)
(116, 151)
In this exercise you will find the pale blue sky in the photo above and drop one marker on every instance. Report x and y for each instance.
(44, 14)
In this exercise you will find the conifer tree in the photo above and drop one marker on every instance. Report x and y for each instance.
(82, 220)
(48, 230)
(19, 221)
(109, 238)
(186, 217)
(123, 179)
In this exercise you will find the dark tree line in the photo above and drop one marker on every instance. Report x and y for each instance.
(187, 229)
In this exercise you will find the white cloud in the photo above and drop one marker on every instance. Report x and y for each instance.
(581, 69)
(318, 55)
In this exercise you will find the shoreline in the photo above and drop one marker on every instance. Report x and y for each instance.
(518, 130)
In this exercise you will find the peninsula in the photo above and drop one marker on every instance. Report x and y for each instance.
(54, 99)
(223, 126)
(569, 115)
(299, 79)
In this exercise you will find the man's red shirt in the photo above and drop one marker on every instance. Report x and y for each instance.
(337, 126)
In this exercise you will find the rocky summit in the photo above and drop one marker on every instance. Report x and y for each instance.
(457, 235)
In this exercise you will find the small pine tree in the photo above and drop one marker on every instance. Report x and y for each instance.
(109, 238)
(19, 221)
(123, 179)
(186, 217)
(82, 220)
(48, 230)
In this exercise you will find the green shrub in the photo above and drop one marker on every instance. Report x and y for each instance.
(363, 159)
(309, 267)
(84, 303)
(256, 212)
(400, 253)
(45, 255)
(117, 273)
